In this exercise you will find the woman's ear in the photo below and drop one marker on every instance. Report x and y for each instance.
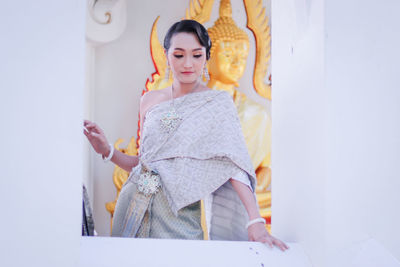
(166, 56)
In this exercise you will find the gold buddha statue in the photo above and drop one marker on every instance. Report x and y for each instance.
(228, 53)
(227, 64)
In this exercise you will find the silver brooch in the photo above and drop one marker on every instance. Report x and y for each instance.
(149, 182)
(170, 120)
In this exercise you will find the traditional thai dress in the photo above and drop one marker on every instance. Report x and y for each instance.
(185, 156)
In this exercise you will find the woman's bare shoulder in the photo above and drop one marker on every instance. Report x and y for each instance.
(153, 97)
(157, 94)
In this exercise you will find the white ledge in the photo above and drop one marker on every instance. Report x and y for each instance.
(107, 251)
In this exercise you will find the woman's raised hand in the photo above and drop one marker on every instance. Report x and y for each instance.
(258, 233)
(96, 137)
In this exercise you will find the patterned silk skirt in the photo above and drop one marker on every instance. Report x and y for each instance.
(159, 220)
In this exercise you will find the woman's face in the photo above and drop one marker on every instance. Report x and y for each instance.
(186, 57)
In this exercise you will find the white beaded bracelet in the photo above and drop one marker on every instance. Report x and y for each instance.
(262, 220)
(109, 155)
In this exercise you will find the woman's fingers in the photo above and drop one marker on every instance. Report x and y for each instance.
(284, 245)
(95, 135)
(92, 127)
(268, 241)
(280, 244)
(88, 123)
(259, 233)
(95, 128)
(92, 135)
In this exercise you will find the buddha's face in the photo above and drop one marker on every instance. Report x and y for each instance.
(229, 61)
(186, 57)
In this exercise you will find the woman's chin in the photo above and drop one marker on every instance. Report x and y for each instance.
(188, 79)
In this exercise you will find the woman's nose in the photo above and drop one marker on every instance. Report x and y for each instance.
(188, 62)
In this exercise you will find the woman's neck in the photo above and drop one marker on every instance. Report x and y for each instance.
(180, 89)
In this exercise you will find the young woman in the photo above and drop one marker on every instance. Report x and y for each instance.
(192, 148)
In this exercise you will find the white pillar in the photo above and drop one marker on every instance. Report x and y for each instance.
(336, 130)
(41, 108)
(363, 92)
(298, 130)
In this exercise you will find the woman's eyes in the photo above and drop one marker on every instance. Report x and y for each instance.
(196, 56)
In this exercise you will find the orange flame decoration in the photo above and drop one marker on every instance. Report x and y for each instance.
(138, 127)
(159, 63)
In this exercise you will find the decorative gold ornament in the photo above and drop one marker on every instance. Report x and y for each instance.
(159, 80)
(199, 10)
(257, 22)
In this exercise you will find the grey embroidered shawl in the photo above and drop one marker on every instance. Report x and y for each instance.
(199, 157)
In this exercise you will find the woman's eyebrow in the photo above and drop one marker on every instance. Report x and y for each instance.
(181, 49)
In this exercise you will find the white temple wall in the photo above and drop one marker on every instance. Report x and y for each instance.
(336, 130)
(362, 81)
(41, 111)
(298, 130)
(121, 69)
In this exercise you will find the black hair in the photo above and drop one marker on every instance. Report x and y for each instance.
(189, 26)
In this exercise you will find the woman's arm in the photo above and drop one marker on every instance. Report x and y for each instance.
(124, 161)
(256, 231)
(99, 142)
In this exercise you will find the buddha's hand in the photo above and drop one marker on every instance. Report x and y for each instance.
(96, 137)
(257, 232)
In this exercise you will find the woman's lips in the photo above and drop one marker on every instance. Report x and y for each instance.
(187, 72)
